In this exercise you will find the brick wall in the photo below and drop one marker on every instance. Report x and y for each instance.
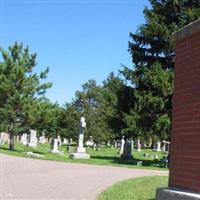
(185, 138)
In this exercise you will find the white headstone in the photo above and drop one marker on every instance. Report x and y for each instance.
(33, 138)
(70, 141)
(94, 146)
(138, 145)
(132, 144)
(24, 139)
(115, 144)
(122, 146)
(55, 146)
(4, 138)
(65, 141)
(158, 146)
(42, 139)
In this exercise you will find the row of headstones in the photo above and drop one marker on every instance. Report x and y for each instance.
(127, 146)
(157, 146)
(32, 140)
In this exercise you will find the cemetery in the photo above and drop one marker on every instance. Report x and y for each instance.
(105, 155)
(133, 134)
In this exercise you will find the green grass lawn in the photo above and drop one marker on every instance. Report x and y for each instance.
(135, 189)
(105, 156)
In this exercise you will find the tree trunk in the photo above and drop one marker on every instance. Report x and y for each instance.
(12, 141)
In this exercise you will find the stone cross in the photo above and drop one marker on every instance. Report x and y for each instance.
(80, 151)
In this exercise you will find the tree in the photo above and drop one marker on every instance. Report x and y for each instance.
(91, 104)
(153, 60)
(20, 86)
(116, 95)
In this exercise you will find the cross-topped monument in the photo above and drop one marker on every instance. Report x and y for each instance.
(80, 151)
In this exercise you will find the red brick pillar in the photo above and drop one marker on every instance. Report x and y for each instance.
(184, 173)
(185, 138)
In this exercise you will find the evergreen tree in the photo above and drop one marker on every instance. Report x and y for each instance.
(91, 104)
(153, 60)
(19, 87)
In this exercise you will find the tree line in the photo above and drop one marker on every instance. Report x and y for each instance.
(136, 102)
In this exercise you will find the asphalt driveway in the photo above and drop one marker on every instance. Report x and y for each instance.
(30, 179)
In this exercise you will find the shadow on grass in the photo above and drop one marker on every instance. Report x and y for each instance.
(21, 150)
(117, 160)
(7, 149)
(105, 157)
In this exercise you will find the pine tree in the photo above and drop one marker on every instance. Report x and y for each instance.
(19, 87)
(153, 60)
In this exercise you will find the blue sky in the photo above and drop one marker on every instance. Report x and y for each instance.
(78, 40)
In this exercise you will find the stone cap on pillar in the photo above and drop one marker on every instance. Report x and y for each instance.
(186, 31)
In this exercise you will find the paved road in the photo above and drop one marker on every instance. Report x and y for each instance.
(28, 179)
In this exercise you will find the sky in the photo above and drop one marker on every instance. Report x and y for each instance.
(77, 40)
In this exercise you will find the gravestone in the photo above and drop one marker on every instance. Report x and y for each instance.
(184, 162)
(59, 140)
(4, 138)
(70, 141)
(158, 146)
(138, 145)
(80, 151)
(132, 144)
(90, 142)
(65, 141)
(95, 147)
(115, 145)
(165, 146)
(16, 138)
(122, 145)
(42, 139)
(32, 138)
(54, 146)
(126, 155)
(150, 143)
(24, 139)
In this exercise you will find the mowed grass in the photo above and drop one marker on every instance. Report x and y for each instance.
(134, 189)
(104, 156)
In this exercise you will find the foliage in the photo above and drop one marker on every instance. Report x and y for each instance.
(20, 86)
(153, 60)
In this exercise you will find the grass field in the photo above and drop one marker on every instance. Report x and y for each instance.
(134, 189)
(105, 156)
